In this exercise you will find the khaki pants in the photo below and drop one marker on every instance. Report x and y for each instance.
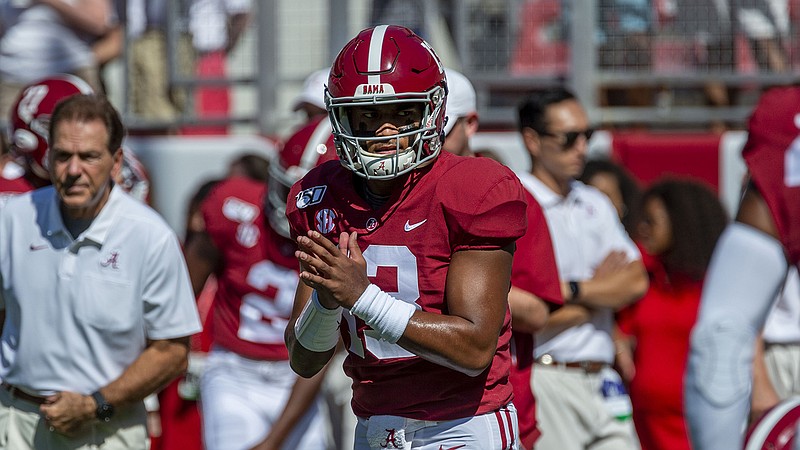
(571, 413)
(151, 95)
(23, 428)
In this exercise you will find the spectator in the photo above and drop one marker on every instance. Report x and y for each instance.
(48, 37)
(765, 23)
(110, 287)
(619, 186)
(249, 394)
(681, 221)
(216, 27)
(600, 270)
(428, 333)
(152, 96)
(462, 114)
(749, 266)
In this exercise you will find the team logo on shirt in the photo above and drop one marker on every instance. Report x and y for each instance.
(111, 260)
(310, 196)
(325, 220)
(372, 223)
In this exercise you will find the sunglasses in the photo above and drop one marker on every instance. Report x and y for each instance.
(569, 138)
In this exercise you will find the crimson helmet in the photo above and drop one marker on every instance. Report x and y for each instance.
(132, 176)
(385, 65)
(307, 148)
(777, 428)
(30, 118)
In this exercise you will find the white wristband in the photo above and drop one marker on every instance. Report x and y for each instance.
(317, 327)
(384, 313)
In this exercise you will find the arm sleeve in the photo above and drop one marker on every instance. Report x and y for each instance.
(746, 271)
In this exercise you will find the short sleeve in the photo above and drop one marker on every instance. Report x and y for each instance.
(169, 306)
(484, 205)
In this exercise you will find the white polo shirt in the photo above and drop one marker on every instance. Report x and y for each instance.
(79, 312)
(584, 227)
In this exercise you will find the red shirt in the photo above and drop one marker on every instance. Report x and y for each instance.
(772, 154)
(535, 271)
(456, 203)
(258, 276)
(661, 322)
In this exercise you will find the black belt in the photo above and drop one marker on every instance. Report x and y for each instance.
(19, 393)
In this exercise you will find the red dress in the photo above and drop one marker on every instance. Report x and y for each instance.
(661, 323)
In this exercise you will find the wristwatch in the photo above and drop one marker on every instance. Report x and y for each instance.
(575, 289)
(104, 409)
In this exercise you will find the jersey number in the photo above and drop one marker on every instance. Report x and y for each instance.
(400, 258)
(263, 320)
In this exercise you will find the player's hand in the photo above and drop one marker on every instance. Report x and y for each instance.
(68, 412)
(339, 274)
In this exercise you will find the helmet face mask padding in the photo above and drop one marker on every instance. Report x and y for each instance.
(382, 66)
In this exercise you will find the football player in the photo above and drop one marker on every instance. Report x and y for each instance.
(408, 248)
(24, 167)
(749, 266)
(249, 395)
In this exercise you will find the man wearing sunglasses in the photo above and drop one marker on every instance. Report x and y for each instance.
(581, 403)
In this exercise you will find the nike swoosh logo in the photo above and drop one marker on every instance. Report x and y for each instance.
(408, 226)
(452, 448)
(38, 247)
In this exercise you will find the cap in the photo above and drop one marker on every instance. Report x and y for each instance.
(460, 98)
(313, 90)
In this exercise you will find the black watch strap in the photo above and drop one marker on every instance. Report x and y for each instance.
(575, 289)
(104, 410)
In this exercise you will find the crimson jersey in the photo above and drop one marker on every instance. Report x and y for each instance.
(772, 154)
(454, 204)
(258, 275)
(534, 270)
(12, 179)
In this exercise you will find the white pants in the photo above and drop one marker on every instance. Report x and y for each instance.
(572, 415)
(241, 398)
(496, 430)
(783, 366)
(23, 428)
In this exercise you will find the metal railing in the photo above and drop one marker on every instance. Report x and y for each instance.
(506, 47)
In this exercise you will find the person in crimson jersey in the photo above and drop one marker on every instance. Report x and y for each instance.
(535, 287)
(23, 168)
(248, 393)
(410, 249)
(749, 265)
